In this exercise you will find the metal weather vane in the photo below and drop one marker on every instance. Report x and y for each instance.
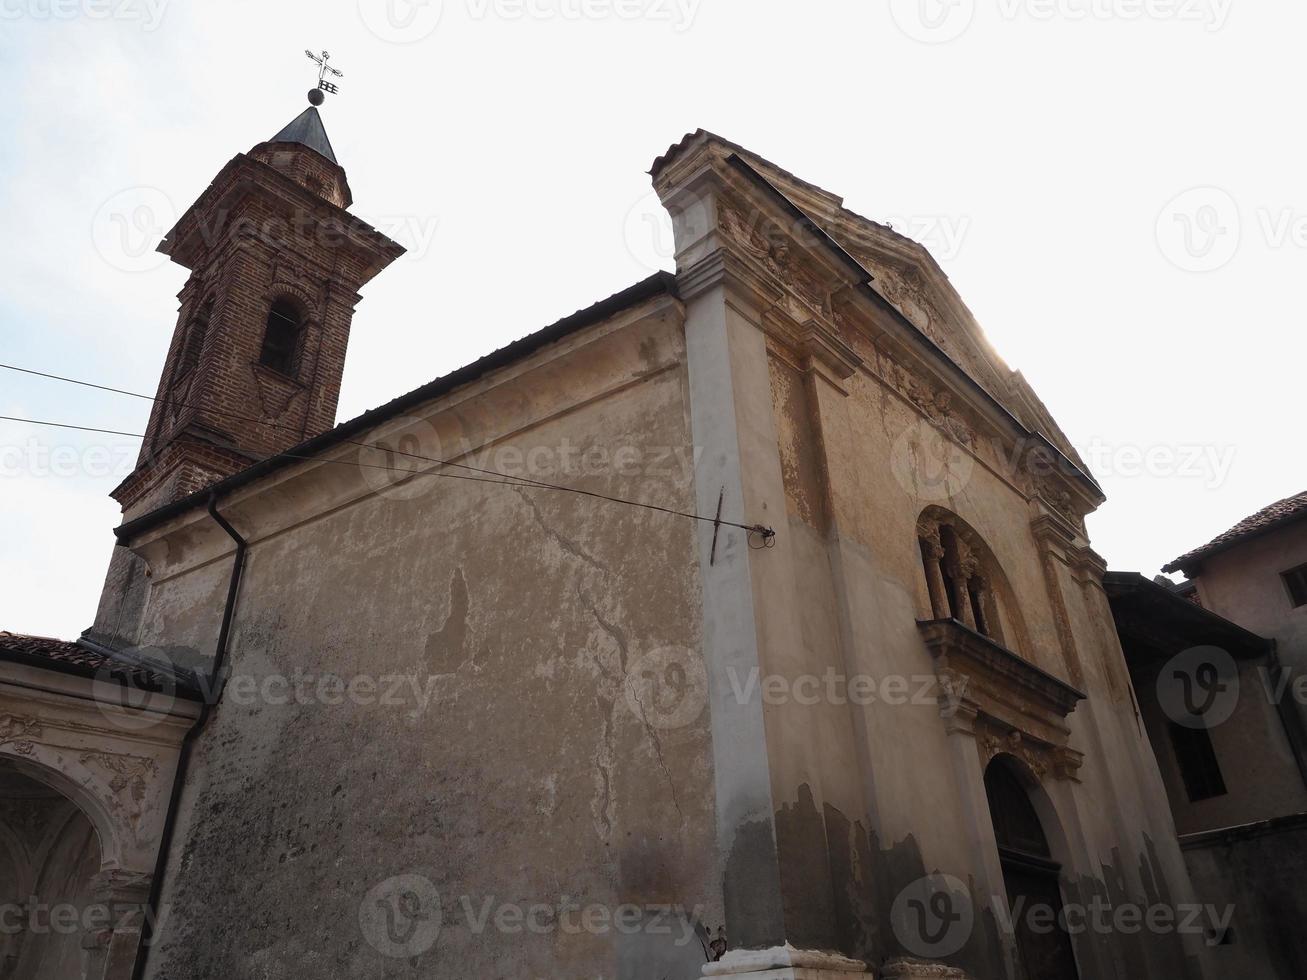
(315, 95)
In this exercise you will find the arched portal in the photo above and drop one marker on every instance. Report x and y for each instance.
(1030, 876)
(49, 856)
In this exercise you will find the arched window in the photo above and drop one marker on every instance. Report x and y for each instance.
(1030, 876)
(962, 577)
(281, 337)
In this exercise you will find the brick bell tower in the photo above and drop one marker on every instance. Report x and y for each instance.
(257, 356)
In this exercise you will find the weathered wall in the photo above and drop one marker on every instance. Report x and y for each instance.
(1256, 873)
(563, 757)
(860, 465)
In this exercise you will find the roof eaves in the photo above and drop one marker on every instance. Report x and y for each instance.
(1234, 536)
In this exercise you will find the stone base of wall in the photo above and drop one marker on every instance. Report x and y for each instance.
(786, 963)
(905, 969)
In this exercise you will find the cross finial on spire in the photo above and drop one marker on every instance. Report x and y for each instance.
(315, 95)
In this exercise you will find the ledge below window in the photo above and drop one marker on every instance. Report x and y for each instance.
(998, 684)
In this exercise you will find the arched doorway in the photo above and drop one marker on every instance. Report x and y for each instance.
(1030, 876)
(49, 857)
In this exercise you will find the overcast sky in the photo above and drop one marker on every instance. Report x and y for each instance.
(1114, 186)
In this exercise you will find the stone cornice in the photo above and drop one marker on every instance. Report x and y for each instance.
(722, 197)
(189, 240)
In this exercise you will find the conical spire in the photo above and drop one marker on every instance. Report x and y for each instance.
(307, 130)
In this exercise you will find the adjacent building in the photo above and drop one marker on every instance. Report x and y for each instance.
(1218, 666)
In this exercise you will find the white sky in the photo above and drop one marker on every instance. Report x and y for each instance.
(1036, 146)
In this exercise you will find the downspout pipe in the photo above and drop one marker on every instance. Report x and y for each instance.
(211, 687)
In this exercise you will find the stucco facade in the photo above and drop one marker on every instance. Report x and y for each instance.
(758, 596)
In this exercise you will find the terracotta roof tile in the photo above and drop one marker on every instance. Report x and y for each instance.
(73, 658)
(1277, 513)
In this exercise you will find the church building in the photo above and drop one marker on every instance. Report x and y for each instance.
(743, 624)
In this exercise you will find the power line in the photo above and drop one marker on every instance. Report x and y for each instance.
(523, 480)
(64, 425)
(504, 479)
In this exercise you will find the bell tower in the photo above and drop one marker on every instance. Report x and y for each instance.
(257, 356)
(255, 364)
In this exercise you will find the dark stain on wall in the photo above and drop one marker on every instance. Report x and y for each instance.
(754, 919)
(807, 890)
